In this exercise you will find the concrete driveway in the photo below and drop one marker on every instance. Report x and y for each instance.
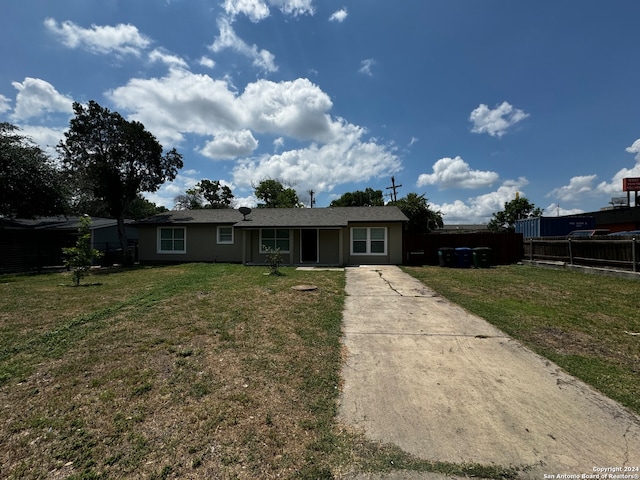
(445, 385)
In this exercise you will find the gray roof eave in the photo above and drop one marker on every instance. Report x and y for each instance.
(338, 217)
(287, 224)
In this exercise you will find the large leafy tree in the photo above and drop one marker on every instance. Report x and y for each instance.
(205, 194)
(215, 194)
(141, 208)
(84, 203)
(516, 209)
(30, 184)
(368, 198)
(190, 200)
(113, 160)
(275, 195)
(422, 218)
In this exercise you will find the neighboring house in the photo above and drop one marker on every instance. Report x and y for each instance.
(34, 244)
(305, 236)
(462, 228)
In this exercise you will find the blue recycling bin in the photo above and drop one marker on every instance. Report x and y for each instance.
(464, 257)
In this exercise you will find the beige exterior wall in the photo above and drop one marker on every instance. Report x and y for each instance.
(328, 248)
(201, 246)
(334, 246)
(252, 248)
(395, 242)
(329, 251)
(393, 255)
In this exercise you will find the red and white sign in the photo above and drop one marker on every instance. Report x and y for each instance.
(631, 184)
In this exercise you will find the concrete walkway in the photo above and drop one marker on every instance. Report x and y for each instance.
(445, 385)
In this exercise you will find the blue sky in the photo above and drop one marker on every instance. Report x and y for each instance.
(465, 101)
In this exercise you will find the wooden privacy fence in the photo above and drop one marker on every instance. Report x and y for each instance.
(34, 254)
(617, 252)
(422, 249)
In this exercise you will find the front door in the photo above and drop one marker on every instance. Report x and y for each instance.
(309, 245)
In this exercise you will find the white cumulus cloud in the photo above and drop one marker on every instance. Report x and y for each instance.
(47, 138)
(456, 173)
(5, 104)
(339, 15)
(294, 7)
(495, 122)
(229, 145)
(184, 102)
(262, 59)
(366, 66)
(480, 209)
(615, 186)
(583, 186)
(322, 167)
(278, 143)
(255, 10)
(181, 102)
(207, 62)
(579, 187)
(293, 108)
(121, 39)
(258, 10)
(168, 191)
(36, 97)
(328, 151)
(555, 210)
(635, 148)
(159, 55)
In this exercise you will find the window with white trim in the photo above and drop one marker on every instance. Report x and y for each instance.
(172, 240)
(273, 238)
(225, 234)
(369, 241)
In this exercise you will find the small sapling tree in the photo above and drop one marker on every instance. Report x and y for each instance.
(79, 258)
(274, 260)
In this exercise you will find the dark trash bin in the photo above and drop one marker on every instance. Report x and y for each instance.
(416, 257)
(447, 257)
(463, 257)
(482, 257)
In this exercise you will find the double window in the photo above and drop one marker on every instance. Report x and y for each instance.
(273, 238)
(172, 240)
(369, 241)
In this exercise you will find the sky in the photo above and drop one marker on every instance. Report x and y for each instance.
(467, 102)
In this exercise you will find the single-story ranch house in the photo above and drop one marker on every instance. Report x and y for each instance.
(305, 236)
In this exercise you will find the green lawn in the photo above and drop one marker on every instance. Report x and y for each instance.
(211, 371)
(188, 371)
(219, 371)
(582, 322)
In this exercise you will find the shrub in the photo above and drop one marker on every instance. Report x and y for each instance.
(80, 257)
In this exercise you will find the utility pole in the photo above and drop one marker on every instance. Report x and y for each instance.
(394, 187)
(312, 201)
